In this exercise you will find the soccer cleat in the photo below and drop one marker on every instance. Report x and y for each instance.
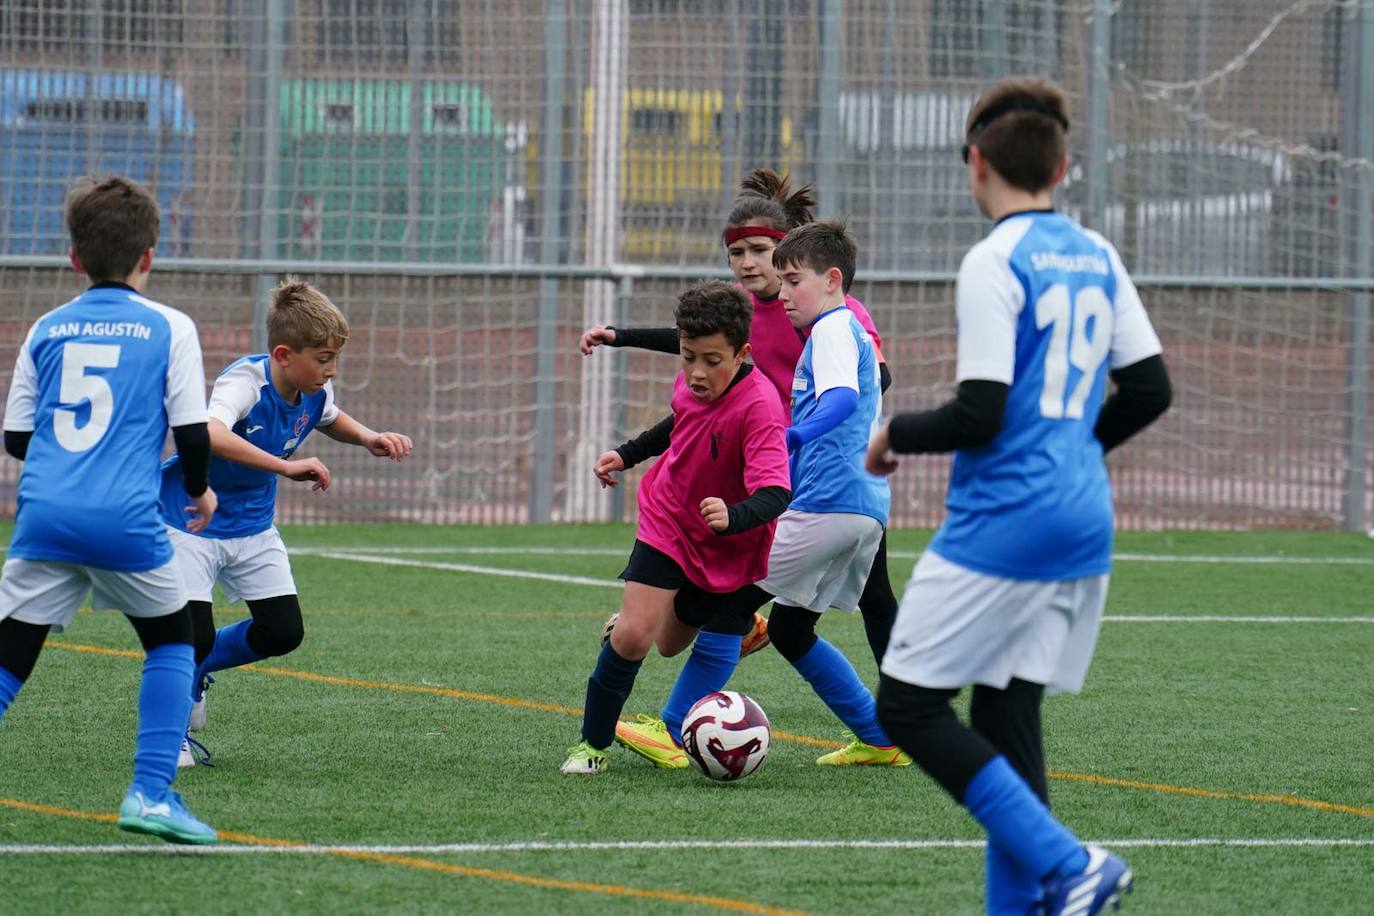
(584, 759)
(1092, 890)
(757, 638)
(167, 819)
(858, 754)
(608, 626)
(649, 739)
(186, 758)
(193, 754)
(198, 706)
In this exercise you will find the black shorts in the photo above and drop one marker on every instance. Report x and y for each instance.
(693, 605)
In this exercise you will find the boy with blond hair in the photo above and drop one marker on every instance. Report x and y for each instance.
(96, 386)
(1009, 595)
(261, 410)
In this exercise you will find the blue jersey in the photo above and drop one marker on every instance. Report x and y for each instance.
(98, 382)
(828, 473)
(246, 403)
(1047, 308)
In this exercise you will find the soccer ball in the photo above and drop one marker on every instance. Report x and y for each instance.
(726, 735)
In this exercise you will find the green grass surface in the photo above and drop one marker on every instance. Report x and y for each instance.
(1273, 722)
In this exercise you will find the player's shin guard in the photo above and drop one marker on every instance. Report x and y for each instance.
(607, 690)
(9, 689)
(231, 649)
(837, 683)
(164, 705)
(714, 658)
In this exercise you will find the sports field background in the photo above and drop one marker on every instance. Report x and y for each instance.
(1223, 742)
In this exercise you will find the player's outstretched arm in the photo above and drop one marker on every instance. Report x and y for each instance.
(225, 444)
(661, 340)
(384, 445)
(653, 441)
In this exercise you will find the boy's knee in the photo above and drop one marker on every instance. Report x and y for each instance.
(792, 630)
(277, 626)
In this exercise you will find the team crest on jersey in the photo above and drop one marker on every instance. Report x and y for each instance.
(301, 422)
(715, 445)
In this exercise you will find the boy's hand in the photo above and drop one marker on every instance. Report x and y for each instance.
(879, 460)
(595, 337)
(716, 513)
(308, 469)
(201, 510)
(390, 445)
(608, 464)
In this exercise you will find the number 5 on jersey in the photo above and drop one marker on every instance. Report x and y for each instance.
(77, 386)
(1070, 345)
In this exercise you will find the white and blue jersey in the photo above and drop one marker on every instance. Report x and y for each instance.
(1045, 307)
(828, 473)
(245, 401)
(98, 382)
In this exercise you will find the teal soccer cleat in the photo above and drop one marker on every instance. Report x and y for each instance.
(167, 819)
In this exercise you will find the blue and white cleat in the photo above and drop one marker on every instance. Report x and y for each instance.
(198, 704)
(167, 819)
(1092, 890)
(193, 754)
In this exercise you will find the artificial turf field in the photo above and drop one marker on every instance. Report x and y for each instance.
(405, 758)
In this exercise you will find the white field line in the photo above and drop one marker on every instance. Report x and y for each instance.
(616, 583)
(574, 846)
(898, 554)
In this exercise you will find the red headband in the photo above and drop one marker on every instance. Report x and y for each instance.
(743, 232)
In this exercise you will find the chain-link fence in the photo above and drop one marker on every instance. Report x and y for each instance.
(450, 173)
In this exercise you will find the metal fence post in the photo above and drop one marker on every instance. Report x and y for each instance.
(828, 103)
(1357, 142)
(262, 144)
(1099, 101)
(550, 245)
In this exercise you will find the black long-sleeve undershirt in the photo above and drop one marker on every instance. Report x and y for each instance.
(193, 448)
(1143, 392)
(17, 442)
(661, 340)
(974, 418)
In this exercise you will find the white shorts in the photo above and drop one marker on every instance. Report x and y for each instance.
(251, 568)
(822, 560)
(958, 627)
(48, 592)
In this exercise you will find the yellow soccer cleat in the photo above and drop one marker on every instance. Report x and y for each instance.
(649, 738)
(858, 754)
(757, 638)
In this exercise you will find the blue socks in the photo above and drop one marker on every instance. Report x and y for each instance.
(837, 683)
(164, 705)
(714, 658)
(231, 650)
(1020, 825)
(1011, 891)
(9, 689)
(607, 690)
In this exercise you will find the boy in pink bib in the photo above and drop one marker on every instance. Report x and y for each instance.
(707, 508)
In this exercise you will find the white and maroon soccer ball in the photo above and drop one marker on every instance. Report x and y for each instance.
(726, 735)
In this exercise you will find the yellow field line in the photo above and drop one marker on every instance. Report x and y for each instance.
(1293, 801)
(509, 877)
